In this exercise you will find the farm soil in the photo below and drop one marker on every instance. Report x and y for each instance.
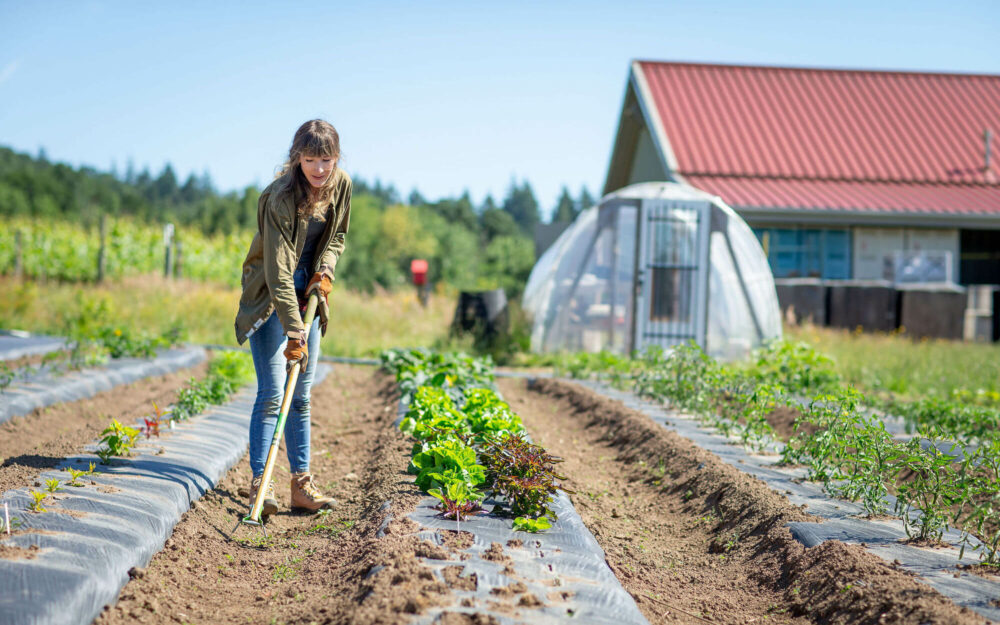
(310, 568)
(16, 364)
(40, 440)
(694, 539)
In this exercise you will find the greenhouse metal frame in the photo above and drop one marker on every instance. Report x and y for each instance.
(680, 258)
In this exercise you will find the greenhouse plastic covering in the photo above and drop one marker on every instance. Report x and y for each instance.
(654, 264)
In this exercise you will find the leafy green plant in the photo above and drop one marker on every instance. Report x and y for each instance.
(871, 461)
(488, 415)
(153, 421)
(963, 418)
(75, 476)
(13, 522)
(932, 487)
(795, 366)
(832, 418)
(117, 440)
(980, 473)
(524, 473)
(52, 485)
(432, 416)
(236, 367)
(458, 422)
(524, 524)
(444, 462)
(191, 400)
(37, 497)
(227, 372)
(121, 342)
(458, 499)
(6, 376)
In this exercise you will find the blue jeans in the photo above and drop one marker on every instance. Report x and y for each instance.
(267, 345)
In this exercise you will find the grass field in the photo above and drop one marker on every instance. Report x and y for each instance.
(364, 324)
(905, 366)
(360, 324)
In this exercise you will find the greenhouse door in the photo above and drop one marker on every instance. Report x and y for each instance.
(671, 273)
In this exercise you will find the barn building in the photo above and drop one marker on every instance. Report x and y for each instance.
(841, 174)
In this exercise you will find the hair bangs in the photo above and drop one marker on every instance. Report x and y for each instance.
(320, 145)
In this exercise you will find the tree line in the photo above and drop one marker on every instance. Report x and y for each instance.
(468, 246)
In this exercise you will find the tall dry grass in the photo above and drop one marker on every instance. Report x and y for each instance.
(903, 365)
(360, 324)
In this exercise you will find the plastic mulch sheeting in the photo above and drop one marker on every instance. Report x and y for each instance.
(82, 561)
(45, 388)
(18, 345)
(935, 567)
(567, 554)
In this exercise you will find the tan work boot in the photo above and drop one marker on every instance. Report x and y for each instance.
(270, 501)
(306, 496)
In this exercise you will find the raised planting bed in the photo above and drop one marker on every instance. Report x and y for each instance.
(45, 387)
(473, 455)
(692, 537)
(947, 476)
(15, 345)
(41, 440)
(75, 540)
(940, 567)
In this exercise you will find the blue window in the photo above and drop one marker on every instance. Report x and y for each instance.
(807, 252)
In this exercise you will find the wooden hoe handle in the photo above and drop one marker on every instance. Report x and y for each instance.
(272, 453)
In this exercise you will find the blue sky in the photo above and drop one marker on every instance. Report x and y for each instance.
(442, 96)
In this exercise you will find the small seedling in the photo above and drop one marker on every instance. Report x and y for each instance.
(52, 485)
(732, 542)
(75, 476)
(6, 376)
(153, 421)
(118, 440)
(37, 498)
(287, 571)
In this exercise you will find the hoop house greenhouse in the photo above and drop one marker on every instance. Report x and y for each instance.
(656, 263)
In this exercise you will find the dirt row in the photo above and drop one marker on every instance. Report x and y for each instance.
(691, 538)
(329, 567)
(40, 440)
(18, 366)
(694, 538)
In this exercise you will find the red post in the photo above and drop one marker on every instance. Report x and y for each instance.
(418, 269)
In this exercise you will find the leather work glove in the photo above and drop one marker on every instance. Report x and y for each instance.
(322, 284)
(296, 350)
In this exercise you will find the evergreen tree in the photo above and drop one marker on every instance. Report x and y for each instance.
(488, 204)
(565, 210)
(497, 222)
(458, 211)
(521, 204)
(165, 187)
(415, 198)
(585, 201)
(191, 190)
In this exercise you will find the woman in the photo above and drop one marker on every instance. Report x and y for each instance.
(302, 219)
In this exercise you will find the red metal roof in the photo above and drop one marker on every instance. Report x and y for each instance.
(878, 127)
(877, 197)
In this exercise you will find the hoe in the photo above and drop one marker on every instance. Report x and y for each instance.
(272, 454)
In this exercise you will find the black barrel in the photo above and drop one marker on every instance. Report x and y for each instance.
(481, 313)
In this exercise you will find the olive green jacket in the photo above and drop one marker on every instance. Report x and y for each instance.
(274, 253)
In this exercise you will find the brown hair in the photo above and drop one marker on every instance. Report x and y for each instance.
(316, 138)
